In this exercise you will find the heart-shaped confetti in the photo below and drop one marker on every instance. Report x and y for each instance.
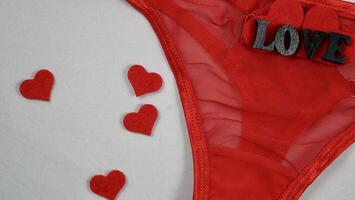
(142, 81)
(108, 186)
(39, 88)
(143, 121)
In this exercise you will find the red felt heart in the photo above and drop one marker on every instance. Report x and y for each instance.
(284, 12)
(321, 19)
(108, 186)
(38, 88)
(143, 121)
(142, 81)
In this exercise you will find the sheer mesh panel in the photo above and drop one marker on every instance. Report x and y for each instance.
(265, 116)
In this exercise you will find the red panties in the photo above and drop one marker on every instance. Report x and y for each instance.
(262, 126)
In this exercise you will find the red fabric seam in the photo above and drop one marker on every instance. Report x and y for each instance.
(344, 8)
(329, 153)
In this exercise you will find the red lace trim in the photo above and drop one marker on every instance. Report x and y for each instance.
(193, 120)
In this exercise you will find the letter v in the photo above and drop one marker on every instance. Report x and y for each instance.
(312, 46)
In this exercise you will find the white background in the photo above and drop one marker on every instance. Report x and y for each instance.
(49, 151)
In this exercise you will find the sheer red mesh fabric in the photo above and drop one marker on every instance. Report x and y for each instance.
(266, 119)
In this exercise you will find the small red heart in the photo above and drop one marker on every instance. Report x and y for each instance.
(286, 12)
(143, 121)
(38, 88)
(321, 19)
(108, 186)
(142, 81)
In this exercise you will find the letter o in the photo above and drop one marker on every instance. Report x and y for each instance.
(280, 40)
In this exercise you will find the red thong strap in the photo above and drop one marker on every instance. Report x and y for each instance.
(261, 125)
